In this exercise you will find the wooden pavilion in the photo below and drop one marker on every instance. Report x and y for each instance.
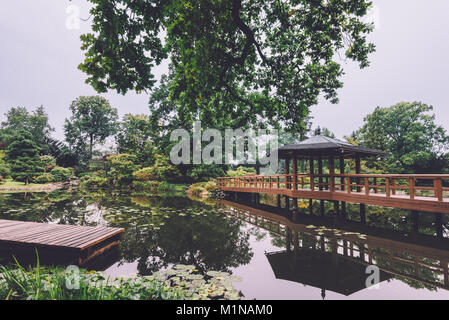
(422, 192)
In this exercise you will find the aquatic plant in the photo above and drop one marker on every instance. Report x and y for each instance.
(181, 282)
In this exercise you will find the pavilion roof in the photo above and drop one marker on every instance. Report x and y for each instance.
(324, 146)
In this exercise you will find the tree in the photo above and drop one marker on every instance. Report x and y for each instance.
(233, 62)
(23, 157)
(36, 123)
(121, 168)
(92, 121)
(134, 137)
(410, 136)
(324, 132)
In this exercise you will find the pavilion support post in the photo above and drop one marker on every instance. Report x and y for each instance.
(357, 170)
(278, 200)
(287, 171)
(311, 206)
(342, 186)
(236, 196)
(342, 171)
(295, 174)
(312, 172)
(331, 174)
(320, 180)
(320, 172)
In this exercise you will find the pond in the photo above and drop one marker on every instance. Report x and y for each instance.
(277, 254)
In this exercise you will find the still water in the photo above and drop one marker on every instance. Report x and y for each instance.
(277, 254)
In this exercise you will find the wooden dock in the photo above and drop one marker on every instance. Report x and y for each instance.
(56, 242)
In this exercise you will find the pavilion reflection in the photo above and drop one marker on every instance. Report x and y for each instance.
(333, 255)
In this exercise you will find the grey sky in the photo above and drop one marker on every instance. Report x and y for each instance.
(39, 58)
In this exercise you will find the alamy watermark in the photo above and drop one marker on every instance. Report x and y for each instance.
(373, 280)
(237, 146)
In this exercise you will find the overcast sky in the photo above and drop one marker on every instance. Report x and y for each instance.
(39, 56)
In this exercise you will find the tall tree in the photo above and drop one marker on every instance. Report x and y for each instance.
(92, 121)
(23, 157)
(234, 62)
(35, 122)
(408, 132)
(134, 137)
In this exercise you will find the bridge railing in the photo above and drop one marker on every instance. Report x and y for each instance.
(405, 185)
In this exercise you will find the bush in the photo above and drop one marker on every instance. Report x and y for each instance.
(49, 162)
(148, 186)
(43, 178)
(211, 186)
(93, 182)
(205, 172)
(164, 170)
(197, 189)
(145, 174)
(61, 174)
(241, 171)
(121, 167)
(4, 170)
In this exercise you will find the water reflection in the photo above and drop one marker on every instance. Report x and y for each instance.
(332, 254)
(316, 252)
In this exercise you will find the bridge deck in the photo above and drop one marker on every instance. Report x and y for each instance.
(74, 242)
(413, 192)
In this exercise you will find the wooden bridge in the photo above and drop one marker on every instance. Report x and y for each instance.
(56, 242)
(420, 192)
(413, 192)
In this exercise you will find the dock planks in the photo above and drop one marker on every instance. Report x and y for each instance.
(75, 243)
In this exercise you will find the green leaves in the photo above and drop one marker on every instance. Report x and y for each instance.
(408, 132)
(92, 121)
(232, 63)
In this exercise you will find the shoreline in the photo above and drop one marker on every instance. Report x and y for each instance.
(44, 188)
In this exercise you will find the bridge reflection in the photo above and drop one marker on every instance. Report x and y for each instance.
(333, 254)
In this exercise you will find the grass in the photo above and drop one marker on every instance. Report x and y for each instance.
(11, 184)
(181, 282)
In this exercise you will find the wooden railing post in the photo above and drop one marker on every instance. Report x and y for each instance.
(411, 188)
(366, 186)
(295, 174)
(349, 184)
(375, 185)
(438, 188)
(387, 187)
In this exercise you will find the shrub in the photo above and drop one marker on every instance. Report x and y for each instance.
(145, 174)
(211, 186)
(197, 189)
(49, 162)
(121, 167)
(43, 178)
(61, 174)
(241, 171)
(93, 182)
(164, 170)
(205, 172)
(148, 186)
